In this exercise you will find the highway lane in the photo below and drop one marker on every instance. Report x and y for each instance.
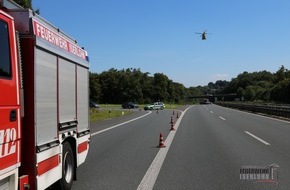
(211, 147)
(275, 131)
(208, 150)
(119, 158)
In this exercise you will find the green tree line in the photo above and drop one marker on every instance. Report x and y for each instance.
(262, 86)
(117, 86)
(27, 4)
(24, 3)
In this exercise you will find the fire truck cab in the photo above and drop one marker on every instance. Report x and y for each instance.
(44, 102)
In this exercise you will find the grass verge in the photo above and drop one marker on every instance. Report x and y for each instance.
(99, 114)
(108, 111)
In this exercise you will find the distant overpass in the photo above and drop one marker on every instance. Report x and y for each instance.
(215, 97)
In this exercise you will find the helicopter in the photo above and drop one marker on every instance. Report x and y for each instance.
(203, 34)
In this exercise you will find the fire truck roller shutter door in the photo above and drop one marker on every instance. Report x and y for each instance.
(67, 91)
(46, 96)
(82, 98)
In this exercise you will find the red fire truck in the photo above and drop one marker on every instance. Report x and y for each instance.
(44, 99)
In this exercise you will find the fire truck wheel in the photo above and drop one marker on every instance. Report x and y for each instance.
(67, 167)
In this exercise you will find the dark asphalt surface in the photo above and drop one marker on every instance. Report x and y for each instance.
(208, 151)
(119, 158)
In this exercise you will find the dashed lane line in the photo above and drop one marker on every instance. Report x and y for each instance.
(258, 138)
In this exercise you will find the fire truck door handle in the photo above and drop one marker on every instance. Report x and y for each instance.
(13, 115)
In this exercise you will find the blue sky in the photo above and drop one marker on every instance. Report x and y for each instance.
(158, 36)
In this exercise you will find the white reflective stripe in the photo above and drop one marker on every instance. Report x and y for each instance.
(81, 157)
(48, 153)
(84, 138)
(49, 178)
(8, 171)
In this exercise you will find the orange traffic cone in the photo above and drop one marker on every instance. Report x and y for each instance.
(161, 142)
(172, 127)
(171, 120)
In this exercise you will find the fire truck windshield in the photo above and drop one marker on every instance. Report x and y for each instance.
(5, 67)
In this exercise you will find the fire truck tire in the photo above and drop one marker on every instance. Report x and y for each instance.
(68, 167)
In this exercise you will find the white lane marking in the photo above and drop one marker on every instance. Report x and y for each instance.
(257, 138)
(211, 111)
(222, 118)
(107, 129)
(151, 175)
(267, 117)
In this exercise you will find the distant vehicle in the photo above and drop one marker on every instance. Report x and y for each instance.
(155, 106)
(203, 34)
(129, 105)
(94, 105)
(205, 101)
(160, 103)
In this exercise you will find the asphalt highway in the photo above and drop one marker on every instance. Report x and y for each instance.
(211, 148)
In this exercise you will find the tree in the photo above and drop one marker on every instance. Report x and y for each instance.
(193, 91)
(110, 89)
(160, 84)
(280, 75)
(130, 84)
(180, 92)
(24, 3)
(245, 79)
(249, 93)
(147, 88)
(176, 92)
(281, 91)
(240, 92)
(95, 87)
(27, 4)
(211, 85)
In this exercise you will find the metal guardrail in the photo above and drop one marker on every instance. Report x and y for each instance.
(281, 110)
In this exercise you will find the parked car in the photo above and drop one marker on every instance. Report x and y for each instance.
(155, 106)
(129, 105)
(161, 104)
(94, 105)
